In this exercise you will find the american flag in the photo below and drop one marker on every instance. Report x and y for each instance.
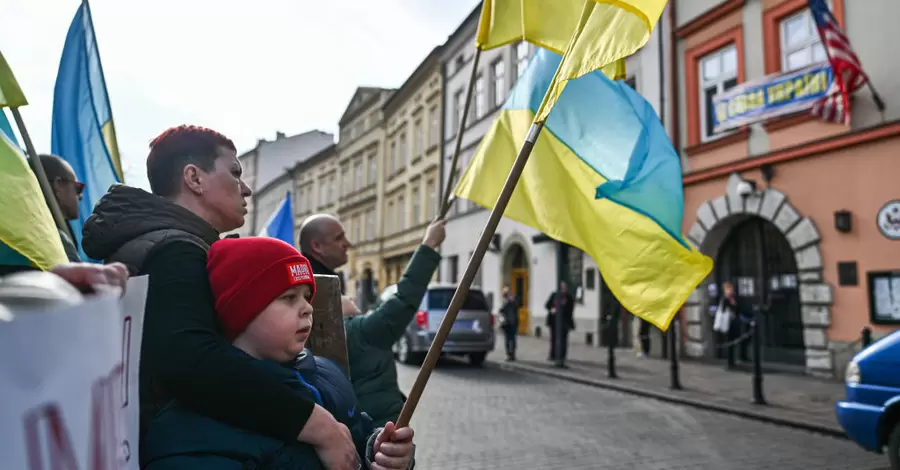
(847, 69)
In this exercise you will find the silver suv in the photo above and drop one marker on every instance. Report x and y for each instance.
(472, 334)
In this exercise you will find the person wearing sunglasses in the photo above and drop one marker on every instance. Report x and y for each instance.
(68, 191)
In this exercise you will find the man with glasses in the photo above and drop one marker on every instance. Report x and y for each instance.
(68, 191)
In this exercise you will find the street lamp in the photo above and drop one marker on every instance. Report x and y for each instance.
(745, 189)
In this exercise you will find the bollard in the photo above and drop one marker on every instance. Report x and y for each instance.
(589, 338)
(327, 338)
(866, 336)
(674, 331)
(612, 330)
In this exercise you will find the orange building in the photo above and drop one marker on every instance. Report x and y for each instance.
(822, 200)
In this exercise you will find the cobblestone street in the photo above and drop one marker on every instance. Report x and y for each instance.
(489, 418)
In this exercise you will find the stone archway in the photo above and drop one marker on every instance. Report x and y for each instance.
(714, 220)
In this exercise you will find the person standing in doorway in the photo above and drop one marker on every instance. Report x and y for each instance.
(509, 322)
(560, 302)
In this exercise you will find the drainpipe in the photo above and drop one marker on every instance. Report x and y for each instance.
(673, 82)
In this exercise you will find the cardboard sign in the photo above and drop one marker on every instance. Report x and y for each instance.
(70, 388)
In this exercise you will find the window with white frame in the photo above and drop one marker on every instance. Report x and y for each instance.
(480, 97)
(358, 175)
(498, 83)
(370, 224)
(417, 139)
(718, 73)
(457, 111)
(357, 228)
(435, 122)
(332, 189)
(416, 206)
(345, 180)
(300, 201)
(323, 192)
(523, 50)
(373, 167)
(800, 42)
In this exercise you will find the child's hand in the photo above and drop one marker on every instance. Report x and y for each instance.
(393, 448)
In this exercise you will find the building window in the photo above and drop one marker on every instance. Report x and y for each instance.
(480, 97)
(435, 122)
(498, 87)
(357, 228)
(523, 49)
(476, 281)
(401, 160)
(431, 194)
(800, 42)
(323, 193)
(417, 139)
(718, 73)
(393, 163)
(373, 167)
(453, 262)
(389, 219)
(370, 224)
(458, 105)
(332, 189)
(358, 175)
(345, 180)
(299, 200)
(416, 206)
(401, 214)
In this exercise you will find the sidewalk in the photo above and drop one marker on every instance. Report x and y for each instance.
(793, 400)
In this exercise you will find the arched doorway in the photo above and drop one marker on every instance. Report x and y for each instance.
(515, 266)
(737, 261)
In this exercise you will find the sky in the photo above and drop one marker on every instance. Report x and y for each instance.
(246, 69)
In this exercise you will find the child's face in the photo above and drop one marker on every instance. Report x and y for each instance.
(279, 333)
(728, 289)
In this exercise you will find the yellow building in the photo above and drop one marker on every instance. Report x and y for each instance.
(359, 182)
(411, 169)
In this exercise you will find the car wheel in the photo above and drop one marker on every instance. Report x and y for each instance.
(404, 354)
(893, 445)
(477, 359)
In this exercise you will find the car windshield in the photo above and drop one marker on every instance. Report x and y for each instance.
(439, 299)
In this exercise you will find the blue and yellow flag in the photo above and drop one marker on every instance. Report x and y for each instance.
(591, 34)
(83, 131)
(603, 177)
(28, 234)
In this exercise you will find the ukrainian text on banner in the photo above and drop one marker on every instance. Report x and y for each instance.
(70, 385)
(770, 96)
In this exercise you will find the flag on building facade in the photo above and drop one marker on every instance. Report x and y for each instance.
(83, 130)
(604, 156)
(28, 234)
(281, 224)
(846, 66)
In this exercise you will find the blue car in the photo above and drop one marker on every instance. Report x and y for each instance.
(871, 413)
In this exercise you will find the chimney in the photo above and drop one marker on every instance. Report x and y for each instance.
(279, 135)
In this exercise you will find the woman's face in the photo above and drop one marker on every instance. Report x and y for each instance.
(225, 193)
(728, 289)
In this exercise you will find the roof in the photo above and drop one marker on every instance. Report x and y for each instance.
(277, 156)
(431, 60)
(364, 97)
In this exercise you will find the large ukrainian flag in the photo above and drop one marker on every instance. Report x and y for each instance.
(602, 177)
(83, 130)
(28, 234)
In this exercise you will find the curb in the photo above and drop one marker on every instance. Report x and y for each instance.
(671, 398)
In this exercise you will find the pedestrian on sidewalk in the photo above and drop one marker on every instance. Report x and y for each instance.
(725, 324)
(509, 322)
(560, 302)
(644, 336)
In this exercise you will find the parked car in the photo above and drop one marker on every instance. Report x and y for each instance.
(871, 413)
(472, 334)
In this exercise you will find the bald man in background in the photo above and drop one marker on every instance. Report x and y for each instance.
(324, 242)
(68, 193)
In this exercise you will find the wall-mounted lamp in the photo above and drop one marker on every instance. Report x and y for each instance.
(746, 188)
(843, 221)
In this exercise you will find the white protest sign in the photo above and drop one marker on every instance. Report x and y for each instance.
(132, 320)
(68, 385)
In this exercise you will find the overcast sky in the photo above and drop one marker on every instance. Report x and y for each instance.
(244, 68)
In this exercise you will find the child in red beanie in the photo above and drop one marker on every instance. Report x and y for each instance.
(263, 288)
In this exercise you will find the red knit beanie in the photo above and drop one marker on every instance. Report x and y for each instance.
(247, 274)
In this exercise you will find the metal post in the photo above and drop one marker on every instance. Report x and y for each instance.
(612, 331)
(562, 253)
(758, 397)
(672, 333)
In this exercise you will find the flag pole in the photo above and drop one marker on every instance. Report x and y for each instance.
(39, 172)
(446, 200)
